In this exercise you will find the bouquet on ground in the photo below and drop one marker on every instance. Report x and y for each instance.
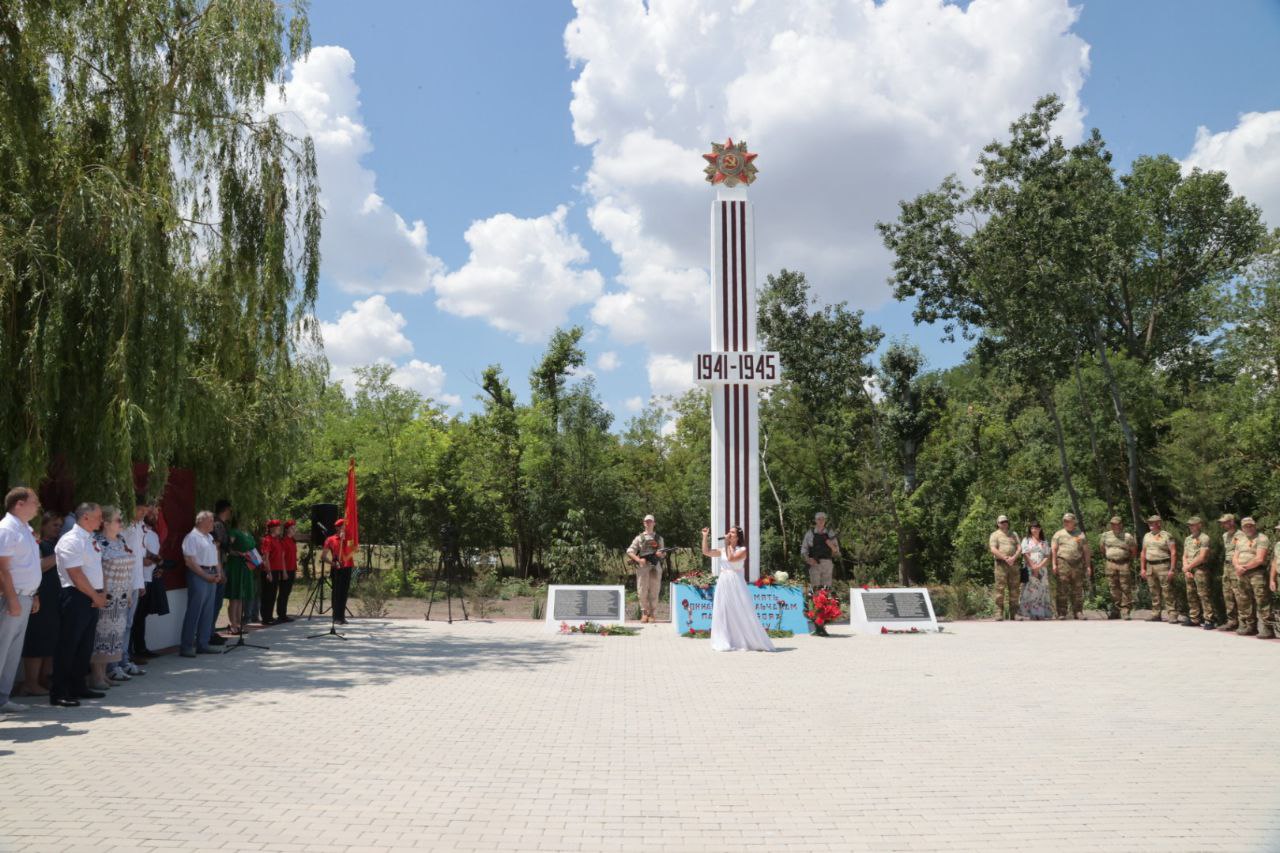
(597, 628)
(821, 609)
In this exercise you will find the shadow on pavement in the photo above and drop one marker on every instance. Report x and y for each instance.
(375, 652)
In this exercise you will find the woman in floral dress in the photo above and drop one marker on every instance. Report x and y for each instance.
(1034, 603)
(113, 620)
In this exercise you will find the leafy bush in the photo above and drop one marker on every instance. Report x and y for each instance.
(575, 556)
(963, 600)
(372, 593)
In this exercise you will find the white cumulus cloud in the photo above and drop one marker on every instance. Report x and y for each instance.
(608, 361)
(852, 105)
(523, 275)
(669, 374)
(366, 246)
(1250, 155)
(371, 332)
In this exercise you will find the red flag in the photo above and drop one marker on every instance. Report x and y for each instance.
(351, 527)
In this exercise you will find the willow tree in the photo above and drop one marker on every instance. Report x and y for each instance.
(159, 242)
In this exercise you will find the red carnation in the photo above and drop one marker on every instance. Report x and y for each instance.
(884, 630)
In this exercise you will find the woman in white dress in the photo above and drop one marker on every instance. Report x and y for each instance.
(734, 626)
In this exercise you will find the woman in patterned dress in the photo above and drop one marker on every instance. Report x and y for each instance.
(113, 620)
(1034, 603)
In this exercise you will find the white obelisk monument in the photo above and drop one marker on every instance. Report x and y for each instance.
(735, 368)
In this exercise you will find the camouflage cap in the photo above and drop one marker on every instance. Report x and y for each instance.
(1115, 519)
(1001, 518)
(1226, 517)
(1248, 521)
(1152, 519)
(1068, 516)
(1195, 519)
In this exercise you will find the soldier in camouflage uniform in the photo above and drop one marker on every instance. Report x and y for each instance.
(1253, 549)
(644, 552)
(1275, 570)
(1197, 576)
(1119, 548)
(1004, 546)
(1230, 589)
(1071, 558)
(1159, 551)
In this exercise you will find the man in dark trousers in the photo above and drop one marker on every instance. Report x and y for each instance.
(80, 571)
(340, 574)
(272, 570)
(288, 546)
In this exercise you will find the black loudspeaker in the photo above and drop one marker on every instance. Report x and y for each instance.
(323, 517)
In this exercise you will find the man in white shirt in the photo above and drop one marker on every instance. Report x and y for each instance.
(19, 581)
(80, 569)
(203, 575)
(133, 540)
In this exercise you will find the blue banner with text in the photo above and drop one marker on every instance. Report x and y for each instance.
(777, 608)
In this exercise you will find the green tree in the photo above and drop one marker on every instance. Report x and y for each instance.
(160, 243)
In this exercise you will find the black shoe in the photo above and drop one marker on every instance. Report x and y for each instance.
(215, 640)
(64, 703)
(90, 694)
(266, 622)
(186, 654)
(285, 619)
(1209, 625)
(340, 621)
(207, 652)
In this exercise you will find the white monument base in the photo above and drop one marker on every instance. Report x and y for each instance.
(891, 611)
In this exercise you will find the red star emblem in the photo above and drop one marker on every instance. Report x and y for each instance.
(730, 164)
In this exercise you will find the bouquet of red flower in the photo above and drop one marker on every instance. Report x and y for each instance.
(822, 608)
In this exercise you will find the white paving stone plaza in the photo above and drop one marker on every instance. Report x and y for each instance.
(499, 736)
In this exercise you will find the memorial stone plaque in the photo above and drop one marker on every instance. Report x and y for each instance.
(894, 606)
(605, 605)
(894, 610)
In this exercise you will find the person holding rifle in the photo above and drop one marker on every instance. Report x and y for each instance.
(646, 551)
(819, 548)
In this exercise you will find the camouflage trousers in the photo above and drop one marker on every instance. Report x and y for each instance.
(1069, 590)
(648, 582)
(1255, 601)
(1164, 590)
(1199, 595)
(1008, 581)
(1230, 593)
(1120, 579)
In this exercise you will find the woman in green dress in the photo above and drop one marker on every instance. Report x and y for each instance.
(240, 578)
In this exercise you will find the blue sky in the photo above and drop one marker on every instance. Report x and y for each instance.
(465, 109)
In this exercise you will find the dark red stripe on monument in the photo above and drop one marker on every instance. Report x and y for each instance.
(737, 461)
(724, 275)
(733, 279)
(727, 463)
(746, 486)
(742, 248)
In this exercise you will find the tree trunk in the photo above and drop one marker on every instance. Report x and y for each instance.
(908, 536)
(1104, 482)
(1046, 398)
(782, 524)
(1130, 441)
(904, 575)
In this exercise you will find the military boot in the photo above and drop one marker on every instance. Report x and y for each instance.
(1265, 631)
(1229, 626)
(1154, 617)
